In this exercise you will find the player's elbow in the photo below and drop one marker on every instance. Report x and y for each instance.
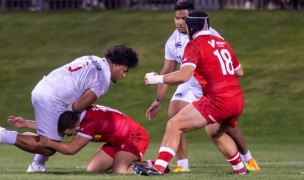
(239, 72)
(185, 78)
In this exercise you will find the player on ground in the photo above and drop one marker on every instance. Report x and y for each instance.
(212, 62)
(126, 140)
(74, 86)
(188, 91)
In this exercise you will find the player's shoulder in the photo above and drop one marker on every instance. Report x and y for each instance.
(173, 36)
(215, 32)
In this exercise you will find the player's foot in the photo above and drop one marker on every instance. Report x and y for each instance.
(251, 165)
(180, 169)
(37, 168)
(143, 170)
(242, 171)
(1, 129)
(150, 163)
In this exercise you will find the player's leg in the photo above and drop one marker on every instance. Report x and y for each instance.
(101, 160)
(122, 162)
(184, 94)
(189, 118)
(226, 146)
(46, 115)
(239, 139)
(181, 154)
(25, 141)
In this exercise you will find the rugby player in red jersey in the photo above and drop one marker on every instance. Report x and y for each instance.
(212, 62)
(125, 139)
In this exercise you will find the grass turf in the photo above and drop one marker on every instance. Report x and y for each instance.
(269, 45)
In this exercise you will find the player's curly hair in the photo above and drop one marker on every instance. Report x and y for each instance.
(184, 5)
(122, 55)
(67, 120)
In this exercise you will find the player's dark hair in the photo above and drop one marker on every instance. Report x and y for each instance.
(184, 5)
(122, 55)
(67, 120)
(197, 21)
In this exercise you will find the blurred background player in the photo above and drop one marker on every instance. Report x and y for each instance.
(74, 86)
(126, 140)
(211, 60)
(188, 91)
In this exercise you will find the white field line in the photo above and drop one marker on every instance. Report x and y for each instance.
(291, 163)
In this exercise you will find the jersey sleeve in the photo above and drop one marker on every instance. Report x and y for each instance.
(235, 62)
(100, 82)
(87, 128)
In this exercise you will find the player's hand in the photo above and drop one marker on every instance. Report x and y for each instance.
(17, 122)
(44, 141)
(153, 110)
(153, 78)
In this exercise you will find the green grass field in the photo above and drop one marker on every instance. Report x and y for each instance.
(269, 45)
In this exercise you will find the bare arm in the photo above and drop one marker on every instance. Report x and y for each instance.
(168, 67)
(20, 122)
(179, 77)
(69, 148)
(239, 72)
(88, 98)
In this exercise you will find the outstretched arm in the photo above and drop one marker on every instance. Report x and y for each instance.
(174, 78)
(69, 148)
(20, 122)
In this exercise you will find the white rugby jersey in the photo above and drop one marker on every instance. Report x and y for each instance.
(69, 82)
(176, 44)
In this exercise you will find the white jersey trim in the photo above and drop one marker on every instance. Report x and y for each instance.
(239, 66)
(84, 135)
(189, 64)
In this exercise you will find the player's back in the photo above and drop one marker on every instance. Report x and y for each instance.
(215, 65)
(107, 123)
(70, 81)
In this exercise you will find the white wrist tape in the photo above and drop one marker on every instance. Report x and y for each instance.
(159, 79)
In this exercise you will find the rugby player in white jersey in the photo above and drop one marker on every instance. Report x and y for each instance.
(74, 86)
(188, 91)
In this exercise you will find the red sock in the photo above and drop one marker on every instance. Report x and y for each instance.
(164, 157)
(237, 163)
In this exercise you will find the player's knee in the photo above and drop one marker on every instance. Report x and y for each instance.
(94, 169)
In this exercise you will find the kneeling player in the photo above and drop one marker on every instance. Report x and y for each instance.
(126, 140)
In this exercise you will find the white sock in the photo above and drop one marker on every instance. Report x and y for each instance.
(39, 160)
(246, 157)
(9, 137)
(150, 164)
(184, 163)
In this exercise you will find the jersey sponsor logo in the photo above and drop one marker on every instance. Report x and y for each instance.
(178, 44)
(220, 44)
(96, 64)
(96, 137)
(179, 58)
(212, 43)
(178, 95)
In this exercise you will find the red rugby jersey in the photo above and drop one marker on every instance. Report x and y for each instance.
(215, 64)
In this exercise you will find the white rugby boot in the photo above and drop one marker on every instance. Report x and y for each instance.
(37, 168)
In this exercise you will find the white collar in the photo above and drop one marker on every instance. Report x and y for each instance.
(203, 32)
